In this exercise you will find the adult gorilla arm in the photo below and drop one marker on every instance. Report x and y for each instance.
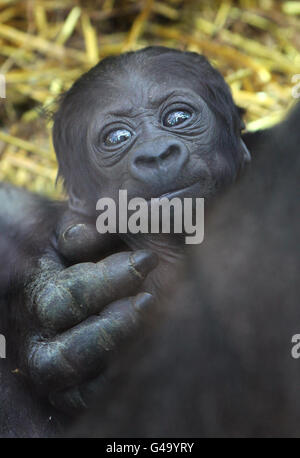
(22, 413)
(42, 298)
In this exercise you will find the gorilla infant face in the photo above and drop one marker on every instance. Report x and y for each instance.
(154, 138)
(156, 123)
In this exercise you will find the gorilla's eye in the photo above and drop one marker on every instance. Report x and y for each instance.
(115, 137)
(174, 118)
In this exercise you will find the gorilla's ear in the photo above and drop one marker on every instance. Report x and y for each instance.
(77, 204)
(245, 152)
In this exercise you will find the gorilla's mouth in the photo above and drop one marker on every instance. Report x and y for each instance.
(187, 191)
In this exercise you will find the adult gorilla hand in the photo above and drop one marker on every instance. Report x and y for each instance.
(80, 314)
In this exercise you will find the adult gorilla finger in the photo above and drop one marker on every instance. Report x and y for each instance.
(85, 289)
(78, 240)
(84, 351)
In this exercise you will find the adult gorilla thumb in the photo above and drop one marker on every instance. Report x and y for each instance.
(78, 240)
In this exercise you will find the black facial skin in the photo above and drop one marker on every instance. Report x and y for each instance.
(41, 316)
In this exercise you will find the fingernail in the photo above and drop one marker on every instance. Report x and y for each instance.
(74, 231)
(143, 301)
(144, 261)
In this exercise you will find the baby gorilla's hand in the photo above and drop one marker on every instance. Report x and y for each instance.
(79, 316)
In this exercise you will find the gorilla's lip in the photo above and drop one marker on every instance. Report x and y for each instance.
(178, 192)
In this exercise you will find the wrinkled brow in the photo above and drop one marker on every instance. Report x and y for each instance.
(123, 108)
(120, 110)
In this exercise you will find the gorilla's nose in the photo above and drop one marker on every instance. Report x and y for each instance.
(161, 158)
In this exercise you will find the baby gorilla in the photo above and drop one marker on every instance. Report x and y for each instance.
(157, 122)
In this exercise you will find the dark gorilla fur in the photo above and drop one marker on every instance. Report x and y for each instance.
(219, 363)
(175, 380)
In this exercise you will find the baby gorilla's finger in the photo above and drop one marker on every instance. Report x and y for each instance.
(78, 240)
(85, 289)
(84, 351)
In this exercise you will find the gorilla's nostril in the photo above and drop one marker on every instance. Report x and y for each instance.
(146, 161)
(171, 151)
